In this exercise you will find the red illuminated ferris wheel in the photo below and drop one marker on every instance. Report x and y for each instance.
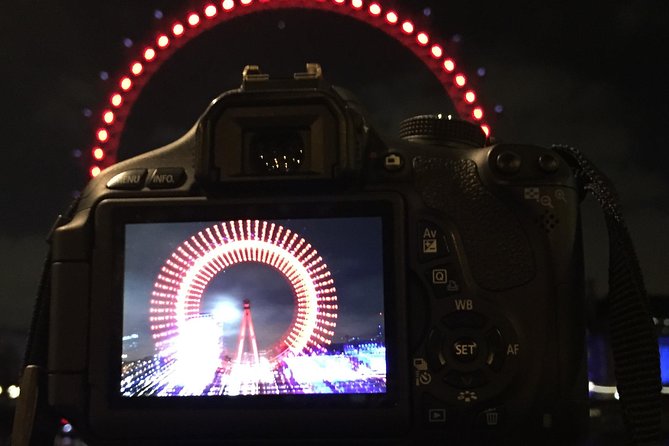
(128, 85)
(178, 289)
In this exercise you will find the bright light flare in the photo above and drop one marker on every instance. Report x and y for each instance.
(193, 20)
(13, 392)
(178, 29)
(98, 153)
(460, 80)
(407, 27)
(108, 117)
(422, 39)
(228, 5)
(375, 9)
(163, 41)
(95, 171)
(102, 135)
(136, 68)
(126, 83)
(357, 4)
(210, 11)
(392, 17)
(116, 100)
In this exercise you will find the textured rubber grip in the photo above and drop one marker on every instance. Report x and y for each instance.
(498, 251)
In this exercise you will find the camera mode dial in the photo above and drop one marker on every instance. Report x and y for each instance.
(443, 130)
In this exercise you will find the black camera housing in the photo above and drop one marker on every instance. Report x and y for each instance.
(482, 274)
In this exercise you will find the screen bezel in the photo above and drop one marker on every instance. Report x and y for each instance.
(109, 409)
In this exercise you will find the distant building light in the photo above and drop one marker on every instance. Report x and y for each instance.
(13, 392)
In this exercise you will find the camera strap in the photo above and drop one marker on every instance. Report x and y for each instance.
(33, 423)
(632, 335)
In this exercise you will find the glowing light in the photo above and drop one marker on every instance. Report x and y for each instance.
(103, 135)
(108, 116)
(163, 41)
(13, 392)
(185, 275)
(210, 11)
(178, 29)
(477, 113)
(98, 153)
(126, 84)
(193, 19)
(470, 96)
(137, 68)
(363, 10)
(486, 129)
(95, 171)
(116, 100)
(1, 390)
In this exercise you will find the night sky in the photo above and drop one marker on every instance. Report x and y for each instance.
(588, 74)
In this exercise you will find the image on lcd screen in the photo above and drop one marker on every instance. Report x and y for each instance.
(253, 307)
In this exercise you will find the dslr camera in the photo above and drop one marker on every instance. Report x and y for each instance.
(284, 275)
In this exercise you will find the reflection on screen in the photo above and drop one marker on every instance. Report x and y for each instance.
(253, 307)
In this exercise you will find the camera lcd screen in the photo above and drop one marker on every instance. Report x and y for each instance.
(253, 307)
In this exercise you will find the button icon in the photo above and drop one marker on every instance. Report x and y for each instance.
(430, 246)
(436, 415)
(440, 276)
(432, 241)
(465, 350)
(467, 396)
(393, 162)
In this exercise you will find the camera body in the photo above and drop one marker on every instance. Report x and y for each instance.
(281, 274)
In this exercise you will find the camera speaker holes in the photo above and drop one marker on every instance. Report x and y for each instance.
(547, 221)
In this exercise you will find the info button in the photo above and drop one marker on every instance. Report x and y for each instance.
(167, 178)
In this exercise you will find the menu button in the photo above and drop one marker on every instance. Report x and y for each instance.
(129, 180)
